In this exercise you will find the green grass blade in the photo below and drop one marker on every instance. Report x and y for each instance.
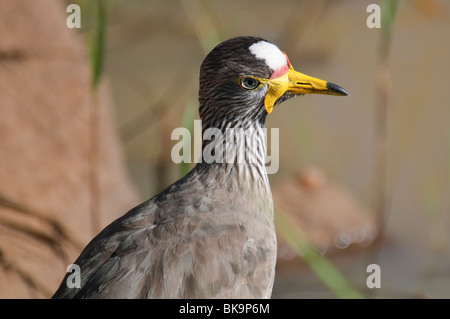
(325, 271)
(388, 12)
(97, 43)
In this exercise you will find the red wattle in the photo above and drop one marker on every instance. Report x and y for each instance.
(280, 72)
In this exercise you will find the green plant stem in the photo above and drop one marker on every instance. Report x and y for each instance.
(324, 270)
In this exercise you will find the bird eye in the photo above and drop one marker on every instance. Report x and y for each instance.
(249, 83)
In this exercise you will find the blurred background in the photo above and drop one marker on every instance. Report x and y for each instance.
(87, 116)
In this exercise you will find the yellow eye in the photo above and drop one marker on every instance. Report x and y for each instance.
(249, 83)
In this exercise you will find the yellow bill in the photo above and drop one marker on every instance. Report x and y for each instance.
(297, 83)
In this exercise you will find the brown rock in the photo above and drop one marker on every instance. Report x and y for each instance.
(46, 108)
(327, 215)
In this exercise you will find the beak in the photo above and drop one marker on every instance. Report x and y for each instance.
(298, 83)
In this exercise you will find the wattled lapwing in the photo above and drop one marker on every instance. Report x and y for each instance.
(211, 234)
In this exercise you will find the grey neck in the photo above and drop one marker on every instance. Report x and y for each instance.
(237, 152)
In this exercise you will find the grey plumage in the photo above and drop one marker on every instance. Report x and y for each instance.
(210, 234)
(191, 241)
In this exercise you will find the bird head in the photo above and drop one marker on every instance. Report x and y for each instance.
(245, 77)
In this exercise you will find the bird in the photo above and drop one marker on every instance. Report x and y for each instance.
(210, 234)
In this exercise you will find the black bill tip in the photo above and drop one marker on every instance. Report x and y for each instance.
(336, 89)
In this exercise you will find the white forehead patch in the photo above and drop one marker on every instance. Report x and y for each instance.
(270, 53)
